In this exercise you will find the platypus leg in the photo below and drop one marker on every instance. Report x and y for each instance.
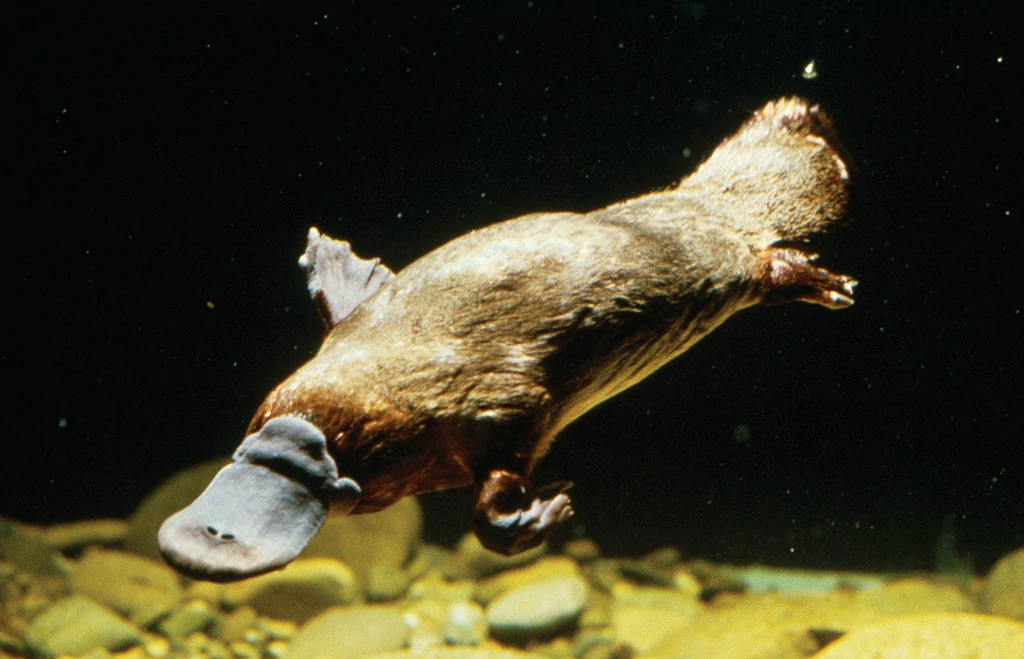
(509, 518)
(337, 279)
(791, 276)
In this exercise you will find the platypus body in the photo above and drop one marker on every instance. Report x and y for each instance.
(463, 368)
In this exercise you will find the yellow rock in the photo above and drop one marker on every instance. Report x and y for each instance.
(1003, 591)
(545, 568)
(348, 633)
(142, 589)
(915, 595)
(362, 541)
(85, 532)
(475, 560)
(932, 636)
(306, 587)
(643, 627)
(642, 617)
(446, 652)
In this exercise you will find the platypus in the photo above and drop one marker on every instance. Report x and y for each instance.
(464, 367)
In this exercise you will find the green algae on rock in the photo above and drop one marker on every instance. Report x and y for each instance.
(77, 625)
(139, 588)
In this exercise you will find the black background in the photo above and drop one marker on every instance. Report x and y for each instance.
(164, 168)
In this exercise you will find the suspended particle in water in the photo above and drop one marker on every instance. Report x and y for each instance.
(810, 71)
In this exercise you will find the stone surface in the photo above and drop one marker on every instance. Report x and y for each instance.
(582, 550)
(538, 610)
(139, 588)
(1003, 590)
(303, 589)
(545, 568)
(86, 532)
(194, 616)
(465, 624)
(385, 583)
(29, 550)
(915, 595)
(481, 562)
(342, 633)
(489, 652)
(644, 616)
(77, 625)
(388, 537)
(932, 636)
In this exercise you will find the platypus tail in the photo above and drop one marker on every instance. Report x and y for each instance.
(782, 177)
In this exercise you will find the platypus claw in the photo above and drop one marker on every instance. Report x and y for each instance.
(507, 520)
(791, 276)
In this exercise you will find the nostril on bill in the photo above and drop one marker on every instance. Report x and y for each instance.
(221, 536)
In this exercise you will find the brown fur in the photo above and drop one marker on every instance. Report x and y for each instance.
(475, 356)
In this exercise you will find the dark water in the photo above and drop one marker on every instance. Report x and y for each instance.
(166, 167)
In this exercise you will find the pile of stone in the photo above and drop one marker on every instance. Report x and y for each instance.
(369, 587)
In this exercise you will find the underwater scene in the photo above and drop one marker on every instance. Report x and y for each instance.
(653, 330)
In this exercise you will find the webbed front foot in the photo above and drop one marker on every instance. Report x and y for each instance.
(509, 519)
(791, 276)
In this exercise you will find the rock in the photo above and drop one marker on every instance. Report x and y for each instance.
(582, 550)
(932, 636)
(642, 627)
(482, 562)
(663, 558)
(169, 497)
(646, 573)
(385, 583)
(137, 587)
(194, 616)
(388, 537)
(28, 549)
(86, 532)
(644, 616)
(303, 589)
(1003, 590)
(233, 626)
(545, 568)
(77, 625)
(434, 587)
(685, 583)
(425, 619)
(764, 579)
(465, 624)
(349, 633)
(430, 558)
(458, 653)
(915, 595)
(538, 610)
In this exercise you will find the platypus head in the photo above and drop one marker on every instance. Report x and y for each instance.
(259, 512)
